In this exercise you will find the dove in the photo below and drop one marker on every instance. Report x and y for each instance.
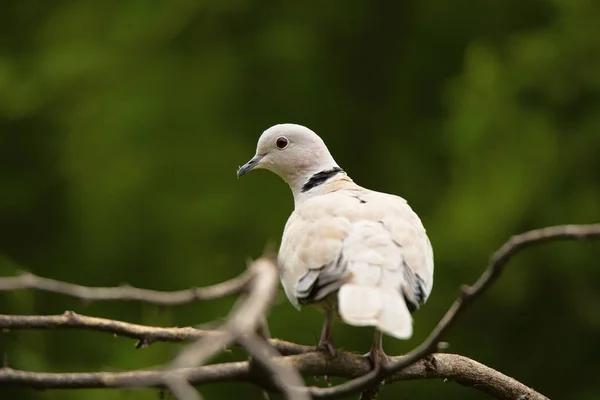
(356, 254)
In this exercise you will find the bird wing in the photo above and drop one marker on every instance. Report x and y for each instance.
(369, 246)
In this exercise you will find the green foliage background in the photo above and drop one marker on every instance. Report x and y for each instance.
(122, 124)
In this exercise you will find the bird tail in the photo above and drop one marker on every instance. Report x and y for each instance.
(383, 308)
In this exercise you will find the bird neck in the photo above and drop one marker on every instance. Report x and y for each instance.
(317, 181)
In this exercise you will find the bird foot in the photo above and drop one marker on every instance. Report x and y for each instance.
(377, 358)
(328, 347)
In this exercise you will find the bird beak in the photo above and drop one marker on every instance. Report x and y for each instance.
(249, 165)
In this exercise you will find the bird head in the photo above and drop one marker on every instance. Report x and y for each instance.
(291, 151)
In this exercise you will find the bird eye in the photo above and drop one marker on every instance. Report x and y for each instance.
(281, 142)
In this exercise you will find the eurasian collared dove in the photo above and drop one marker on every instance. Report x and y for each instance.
(355, 253)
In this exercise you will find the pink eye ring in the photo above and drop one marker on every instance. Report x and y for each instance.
(281, 142)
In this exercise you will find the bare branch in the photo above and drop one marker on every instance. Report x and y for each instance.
(126, 292)
(237, 371)
(244, 319)
(242, 324)
(247, 317)
(181, 388)
(72, 320)
(286, 377)
(445, 366)
(449, 367)
(467, 296)
(145, 334)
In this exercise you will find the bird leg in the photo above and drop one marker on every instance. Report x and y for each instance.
(376, 355)
(326, 341)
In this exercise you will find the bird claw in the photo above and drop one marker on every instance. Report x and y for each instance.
(377, 358)
(328, 347)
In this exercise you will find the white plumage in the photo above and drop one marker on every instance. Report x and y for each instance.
(357, 253)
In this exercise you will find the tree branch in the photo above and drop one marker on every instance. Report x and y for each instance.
(145, 334)
(244, 319)
(71, 320)
(126, 292)
(242, 324)
(308, 361)
(452, 367)
(466, 297)
(286, 378)
(260, 280)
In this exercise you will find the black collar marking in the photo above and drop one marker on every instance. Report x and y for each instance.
(320, 178)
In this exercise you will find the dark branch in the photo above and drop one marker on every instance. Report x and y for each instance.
(244, 319)
(286, 378)
(452, 367)
(467, 296)
(144, 334)
(72, 320)
(125, 292)
(243, 323)
(444, 366)
(241, 326)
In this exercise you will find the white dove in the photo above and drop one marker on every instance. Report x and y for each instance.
(355, 253)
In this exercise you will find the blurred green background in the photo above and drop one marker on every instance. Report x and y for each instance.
(122, 124)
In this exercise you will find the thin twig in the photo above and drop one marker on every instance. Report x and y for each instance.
(466, 297)
(451, 367)
(125, 292)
